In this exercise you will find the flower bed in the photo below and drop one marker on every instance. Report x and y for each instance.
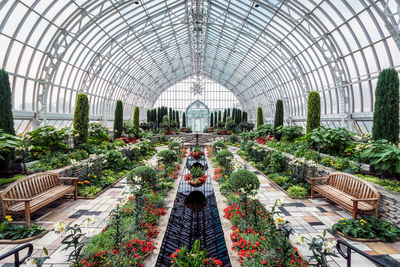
(129, 236)
(260, 236)
(11, 233)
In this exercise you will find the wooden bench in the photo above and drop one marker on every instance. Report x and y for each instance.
(31, 193)
(348, 191)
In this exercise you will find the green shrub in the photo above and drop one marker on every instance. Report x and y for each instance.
(297, 192)
(244, 179)
(98, 133)
(224, 116)
(218, 146)
(230, 124)
(260, 117)
(274, 161)
(279, 179)
(232, 138)
(174, 146)
(81, 118)
(313, 111)
(290, 132)
(114, 160)
(89, 191)
(265, 130)
(327, 140)
(118, 119)
(184, 120)
(167, 157)
(224, 158)
(278, 118)
(215, 118)
(386, 111)
(383, 156)
(136, 116)
(147, 175)
(177, 119)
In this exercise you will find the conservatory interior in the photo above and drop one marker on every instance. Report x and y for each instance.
(199, 133)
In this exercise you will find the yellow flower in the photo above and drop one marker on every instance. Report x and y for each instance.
(8, 218)
(342, 219)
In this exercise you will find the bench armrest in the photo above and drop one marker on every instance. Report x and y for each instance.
(17, 199)
(364, 199)
(69, 178)
(313, 179)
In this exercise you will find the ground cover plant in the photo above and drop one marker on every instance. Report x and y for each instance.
(12, 231)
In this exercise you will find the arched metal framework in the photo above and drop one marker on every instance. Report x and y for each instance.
(261, 50)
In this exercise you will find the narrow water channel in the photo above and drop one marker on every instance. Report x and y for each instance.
(194, 216)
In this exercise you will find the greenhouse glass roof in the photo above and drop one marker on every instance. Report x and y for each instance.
(261, 50)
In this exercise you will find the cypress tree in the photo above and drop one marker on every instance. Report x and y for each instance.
(81, 118)
(6, 114)
(6, 117)
(148, 115)
(170, 114)
(229, 113)
(245, 116)
(238, 116)
(224, 119)
(174, 115)
(313, 111)
(118, 119)
(177, 118)
(215, 119)
(219, 116)
(136, 114)
(386, 110)
(234, 114)
(159, 118)
(212, 120)
(278, 118)
(260, 117)
(183, 120)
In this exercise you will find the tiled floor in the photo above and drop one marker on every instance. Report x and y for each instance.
(311, 217)
(70, 211)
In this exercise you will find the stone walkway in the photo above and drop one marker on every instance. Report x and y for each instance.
(311, 216)
(70, 211)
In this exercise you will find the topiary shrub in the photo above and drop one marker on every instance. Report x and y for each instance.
(278, 119)
(219, 116)
(298, 192)
(224, 158)
(147, 175)
(224, 117)
(136, 114)
(260, 117)
(118, 119)
(212, 120)
(218, 146)
(232, 138)
(244, 179)
(313, 111)
(177, 118)
(215, 119)
(81, 118)
(6, 118)
(167, 157)
(386, 110)
(174, 146)
(184, 120)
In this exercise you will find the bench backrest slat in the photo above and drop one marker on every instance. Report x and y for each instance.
(30, 186)
(352, 185)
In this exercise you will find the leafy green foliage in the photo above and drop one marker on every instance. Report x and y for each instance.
(218, 146)
(291, 132)
(274, 161)
(233, 138)
(147, 174)
(114, 160)
(313, 111)
(89, 191)
(136, 116)
(193, 258)
(15, 231)
(328, 140)
(383, 156)
(98, 133)
(129, 129)
(298, 192)
(386, 111)
(265, 130)
(224, 158)
(167, 157)
(278, 118)
(184, 120)
(174, 146)
(388, 184)
(244, 179)
(260, 117)
(230, 124)
(368, 228)
(8, 143)
(81, 118)
(119, 119)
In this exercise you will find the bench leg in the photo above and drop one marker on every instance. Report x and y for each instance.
(355, 209)
(76, 189)
(312, 193)
(4, 212)
(27, 214)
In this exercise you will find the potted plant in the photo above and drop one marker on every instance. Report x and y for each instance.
(197, 153)
(196, 177)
